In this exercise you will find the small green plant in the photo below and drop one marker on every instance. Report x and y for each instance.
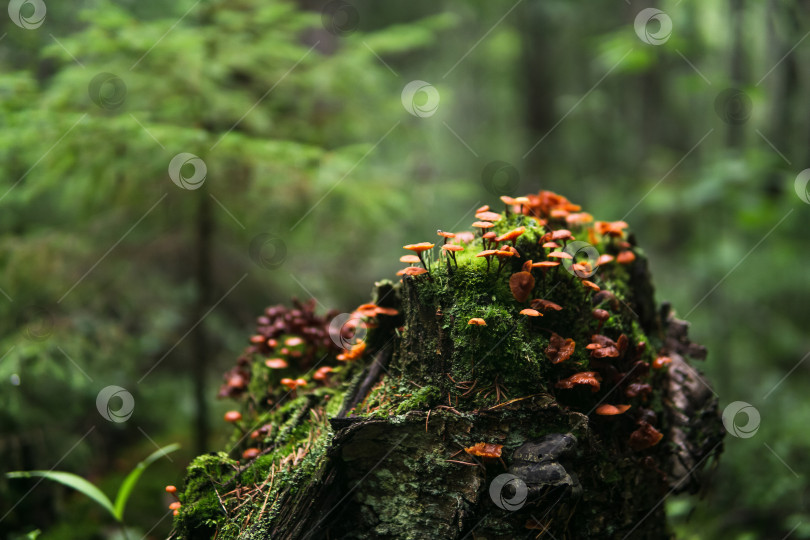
(78, 483)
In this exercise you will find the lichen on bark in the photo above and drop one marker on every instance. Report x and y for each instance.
(378, 445)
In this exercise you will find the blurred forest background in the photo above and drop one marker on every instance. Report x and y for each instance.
(316, 175)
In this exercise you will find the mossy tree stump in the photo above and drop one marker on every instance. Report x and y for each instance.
(431, 427)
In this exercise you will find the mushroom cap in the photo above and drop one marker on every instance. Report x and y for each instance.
(604, 259)
(390, 312)
(559, 349)
(410, 259)
(504, 253)
(445, 234)
(420, 247)
(486, 253)
(464, 237)
(251, 453)
(531, 312)
(233, 416)
(489, 235)
(321, 373)
(276, 363)
(611, 410)
(600, 315)
(625, 257)
(175, 505)
(579, 218)
(560, 255)
(483, 224)
(644, 437)
(485, 450)
(413, 271)
(506, 199)
(562, 234)
(511, 235)
(545, 264)
(483, 208)
(551, 245)
(487, 216)
(171, 489)
(521, 200)
(527, 266)
(591, 285)
(521, 285)
(545, 304)
(591, 378)
(293, 341)
(477, 321)
(452, 247)
(661, 361)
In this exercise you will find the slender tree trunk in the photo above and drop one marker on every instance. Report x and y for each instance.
(200, 350)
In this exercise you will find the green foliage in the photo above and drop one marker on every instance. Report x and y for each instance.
(80, 484)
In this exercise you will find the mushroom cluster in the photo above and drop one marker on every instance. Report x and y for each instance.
(535, 248)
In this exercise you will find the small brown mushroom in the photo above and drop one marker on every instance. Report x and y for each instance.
(644, 437)
(521, 285)
(251, 453)
(530, 312)
(661, 361)
(602, 316)
(539, 303)
(625, 257)
(591, 378)
(559, 349)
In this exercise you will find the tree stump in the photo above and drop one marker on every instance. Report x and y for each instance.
(573, 411)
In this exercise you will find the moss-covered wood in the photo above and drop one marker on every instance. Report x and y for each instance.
(377, 448)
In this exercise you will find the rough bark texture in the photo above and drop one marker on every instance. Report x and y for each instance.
(378, 451)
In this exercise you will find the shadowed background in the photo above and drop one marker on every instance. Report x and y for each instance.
(117, 268)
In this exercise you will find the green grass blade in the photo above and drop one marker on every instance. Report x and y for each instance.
(132, 478)
(71, 480)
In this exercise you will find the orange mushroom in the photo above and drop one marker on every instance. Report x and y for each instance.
(487, 216)
(233, 416)
(276, 363)
(511, 235)
(452, 249)
(560, 255)
(604, 259)
(251, 453)
(482, 209)
(412, 271)
(591, 285)
(530, 312)
(419, 249)
(625, 257)
(611, 410)
(322, 373)
(410, 259)
(661, 361)
(477, 321)
(485, 450)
